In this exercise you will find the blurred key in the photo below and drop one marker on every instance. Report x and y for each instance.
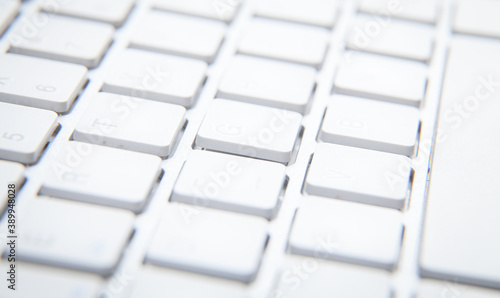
(24, 131)
(285, 41)
(101, 175)
(155, 76)
(370, 124)
(8, 11)
(478, 17)
(110, 11)
(131, 123)
(181, 35)
(10, 173)
(359, 175)
(347, 232)
(73, 235)
(267, 82)
(382, 78)
(64, 38)
(233, 127)
(429, 288)
(311, 277)
(421, 10)
(230, 183)
(312, 12)
(40, 83)
(36, 281)
(397, 38)
(224, 10)
(211, 242)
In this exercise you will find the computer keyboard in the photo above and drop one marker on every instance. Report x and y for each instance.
(253, 148)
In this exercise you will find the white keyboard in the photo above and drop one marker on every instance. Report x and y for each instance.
(252, 149)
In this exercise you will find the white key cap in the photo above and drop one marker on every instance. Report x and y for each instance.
(478, 17)
(181, 35)
(156, 76)
(101, 175)
(10, 173)
(460, 237)
(273, 83)
(359, 175)
(397, 38)
(312, 12)
(8, 11)
(24, 131)
(285, 41)
(383, 78)
(65, 39)
(311, 277)
(40, 83)
(233, 127)
(131, 123)
(371, 124)
(36, 278)
(211, 242)
(110, 11)
(347, 232)
(231, 183)
(223, 10)
(421, 10)
(434, 289)
(73, 235)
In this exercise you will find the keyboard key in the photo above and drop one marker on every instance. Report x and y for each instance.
(110, 11)
(460, 236)
(285, 41)
(65, 39)
(10, 173)
(181, 35)
(450, 288)
(101, 175)
(73, 235)
(24, 131)
(382, 78)
(397, 38)
(40, 83)
(478, 18)
(347, 232)
(312, 12)
(212, 242)
(233, 127)
(36, 281)
(421, 11)
(371, 124)
(154, 282)
(307, 277)
(131, 123)
(8, 11)
(231, 183)
(155, 76)
(223, 10)
(272, 83)
(359, 175)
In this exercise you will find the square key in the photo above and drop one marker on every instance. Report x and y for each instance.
(250, 130)
(371, 124)
(131, 123)
(229, 182)
(267, 82)
(212, 242)
(155, 76)
(383, 78)
(359, 175)
(347, 232)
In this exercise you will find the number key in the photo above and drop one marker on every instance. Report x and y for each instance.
(24, 131)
